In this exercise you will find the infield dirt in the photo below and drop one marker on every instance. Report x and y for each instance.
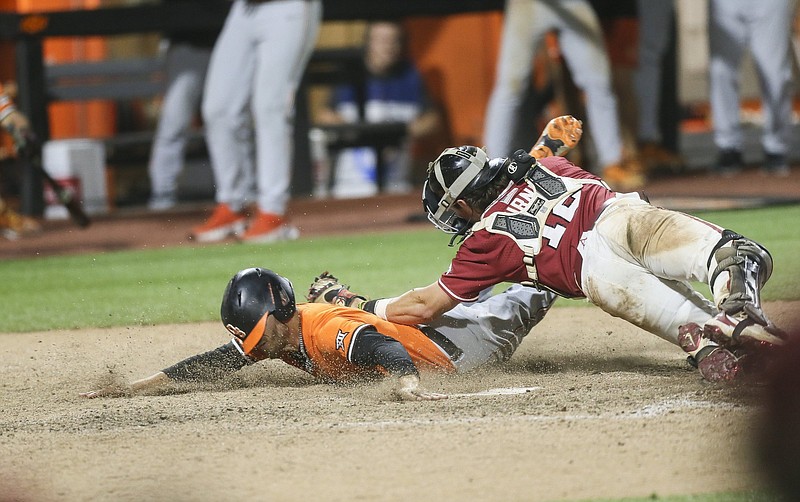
(615, 412)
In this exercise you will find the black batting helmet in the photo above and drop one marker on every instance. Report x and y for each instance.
(455, 173)
(251, 296)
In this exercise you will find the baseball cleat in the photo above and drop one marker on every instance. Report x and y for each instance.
(720, 365)
(730, 331)
(729, 162)
(715, 363)
(267, 228)
(560, 135)
(14, 225)
(624, 176)
(655, 157)
(222, 223)
(776, 164)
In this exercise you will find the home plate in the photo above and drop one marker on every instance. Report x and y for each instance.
(503, 391)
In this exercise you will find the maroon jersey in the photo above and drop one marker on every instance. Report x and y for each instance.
(487, 257)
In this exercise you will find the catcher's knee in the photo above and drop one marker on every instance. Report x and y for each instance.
(748, 265)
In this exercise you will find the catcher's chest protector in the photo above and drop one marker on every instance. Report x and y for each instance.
(528, 205)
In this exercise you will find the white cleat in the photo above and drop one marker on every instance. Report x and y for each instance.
(281, 233)
(729, 331)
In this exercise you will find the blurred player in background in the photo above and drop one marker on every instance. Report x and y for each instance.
(554, 226)
(395, 92)
(763, 28)
(580, 38)
(186, 61)
(656, 25)
(14, 122)
(248, 110)
(340, 344)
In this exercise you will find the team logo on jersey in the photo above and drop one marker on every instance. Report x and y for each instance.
(340, 336)
(536, 206)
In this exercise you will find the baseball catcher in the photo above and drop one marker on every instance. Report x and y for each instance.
(337, 344)
(544, 222)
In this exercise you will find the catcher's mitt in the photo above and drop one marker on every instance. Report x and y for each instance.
(326, 288)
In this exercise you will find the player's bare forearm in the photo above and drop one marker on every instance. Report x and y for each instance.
(419, 306)
(136, 387)
(209, 365)
(408, 389)
(560, 135)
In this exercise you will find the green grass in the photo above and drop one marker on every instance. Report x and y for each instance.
(185, 284)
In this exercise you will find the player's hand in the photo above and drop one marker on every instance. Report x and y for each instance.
(128, 389)
(560, 135)
(110, 391)
(408, 389)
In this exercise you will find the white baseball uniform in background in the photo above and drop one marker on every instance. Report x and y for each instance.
(582, 44)
(248, 104)
(186, 66)
(763, 28)
(655, 22)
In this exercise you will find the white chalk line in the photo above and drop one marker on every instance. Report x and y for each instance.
(502, 391)
(645, 412)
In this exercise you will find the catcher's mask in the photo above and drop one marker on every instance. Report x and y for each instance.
(251, 296)
(455, 173)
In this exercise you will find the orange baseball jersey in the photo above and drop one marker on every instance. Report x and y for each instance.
(328, 334)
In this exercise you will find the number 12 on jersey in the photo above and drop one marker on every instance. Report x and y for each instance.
(566, 211)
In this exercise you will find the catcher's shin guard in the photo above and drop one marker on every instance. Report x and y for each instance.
(739, 269)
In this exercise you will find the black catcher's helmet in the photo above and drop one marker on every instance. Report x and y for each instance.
(251, 296)
(455, 173)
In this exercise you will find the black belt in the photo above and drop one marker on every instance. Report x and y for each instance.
(447, 345)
